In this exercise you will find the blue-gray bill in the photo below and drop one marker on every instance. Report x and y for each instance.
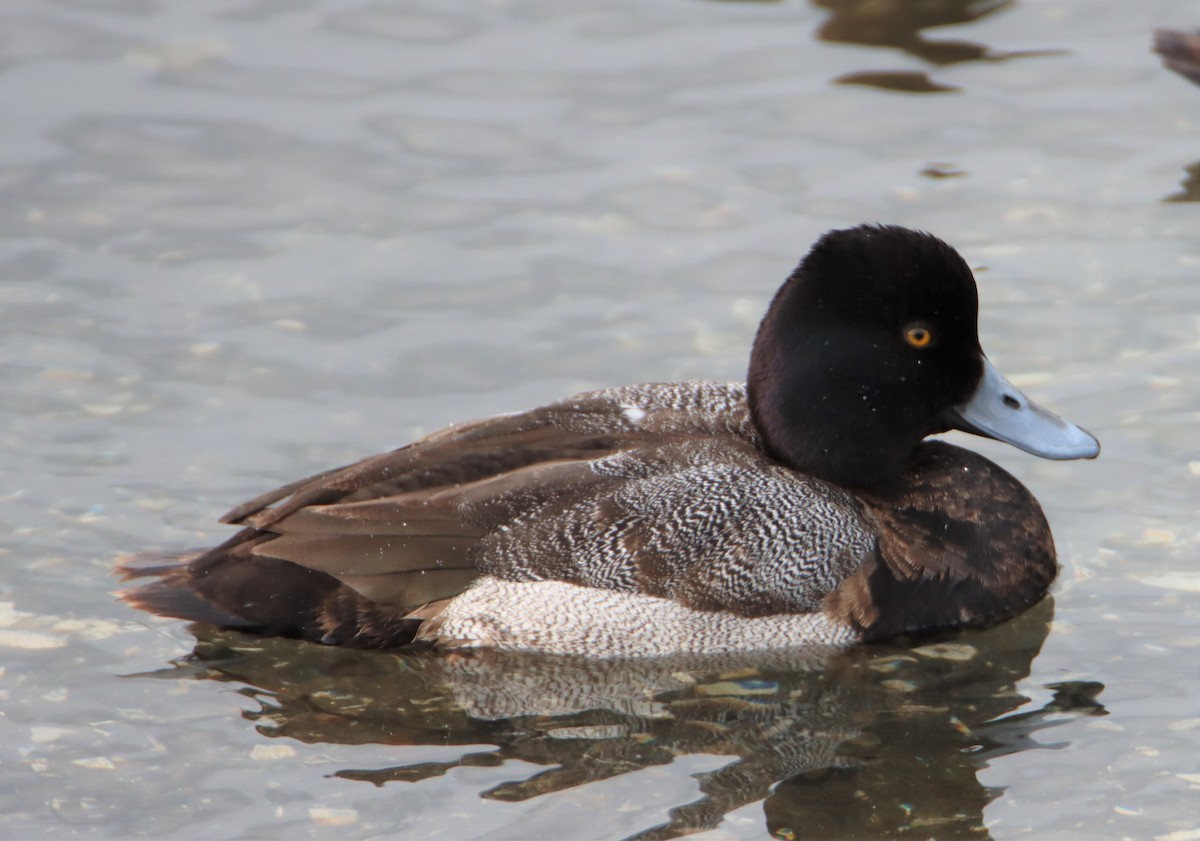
(999, 410)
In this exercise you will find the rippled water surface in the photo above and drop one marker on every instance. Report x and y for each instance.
(245, 241)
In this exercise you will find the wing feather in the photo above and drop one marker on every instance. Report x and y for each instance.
(368, 549)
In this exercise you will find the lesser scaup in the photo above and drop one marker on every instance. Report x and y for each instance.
(802, 507)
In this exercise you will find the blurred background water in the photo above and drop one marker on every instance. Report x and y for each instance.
(245, 241)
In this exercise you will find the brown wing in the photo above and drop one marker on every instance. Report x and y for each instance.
(347, 555)
(409, 548)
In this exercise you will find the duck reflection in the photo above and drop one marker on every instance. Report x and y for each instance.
(874, 741)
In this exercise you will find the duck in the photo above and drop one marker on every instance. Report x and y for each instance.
(807, 506)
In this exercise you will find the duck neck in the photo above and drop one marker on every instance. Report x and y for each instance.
(812, 434)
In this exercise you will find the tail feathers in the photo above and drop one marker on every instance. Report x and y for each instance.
(151, 564)
(171, 596)
(273, 596)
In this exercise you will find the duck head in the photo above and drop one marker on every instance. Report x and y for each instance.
(871, 345)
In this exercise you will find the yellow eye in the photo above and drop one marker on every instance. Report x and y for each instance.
(918, 336)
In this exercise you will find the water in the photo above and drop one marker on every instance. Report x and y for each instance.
(243, 242)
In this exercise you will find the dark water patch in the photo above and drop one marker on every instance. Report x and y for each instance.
(902, 81)
(1189, 186)
(900, 25)
(1180, 51)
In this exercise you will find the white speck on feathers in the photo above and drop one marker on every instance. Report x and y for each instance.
(633, 414)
